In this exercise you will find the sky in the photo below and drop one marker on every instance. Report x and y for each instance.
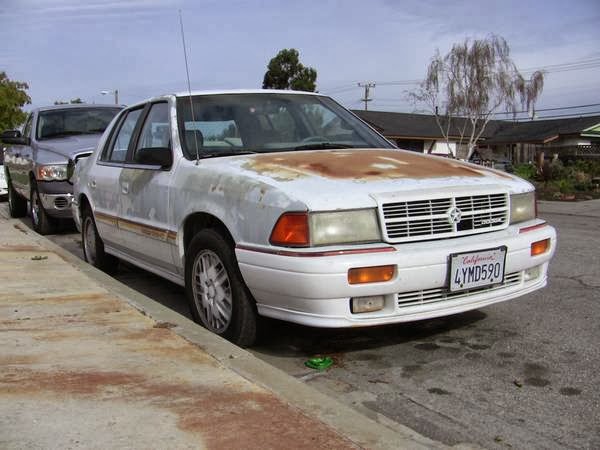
(77, 48)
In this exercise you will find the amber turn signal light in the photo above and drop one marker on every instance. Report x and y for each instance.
(377, 274)
(540, 247)
(291, 230)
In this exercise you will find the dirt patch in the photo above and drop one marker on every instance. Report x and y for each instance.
(226, 417)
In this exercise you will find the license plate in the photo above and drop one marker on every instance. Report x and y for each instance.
(477, 269)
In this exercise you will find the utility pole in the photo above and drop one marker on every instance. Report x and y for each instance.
(115, 92)
(367, 85)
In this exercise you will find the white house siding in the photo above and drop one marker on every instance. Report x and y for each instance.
(440, 147)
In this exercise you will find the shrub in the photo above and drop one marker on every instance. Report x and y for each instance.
(526, 171)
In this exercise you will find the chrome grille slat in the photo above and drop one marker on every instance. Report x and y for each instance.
(415, 220)
(413, 298)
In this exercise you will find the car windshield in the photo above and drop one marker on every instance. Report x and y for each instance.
(64, 122)
(227, 124)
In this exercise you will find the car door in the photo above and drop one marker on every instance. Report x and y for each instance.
(104, 179)
(144, 220)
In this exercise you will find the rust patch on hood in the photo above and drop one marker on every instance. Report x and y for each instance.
(357, 164)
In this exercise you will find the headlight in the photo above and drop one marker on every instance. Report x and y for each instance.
(356, 226)
(52, 172)
(522, 207)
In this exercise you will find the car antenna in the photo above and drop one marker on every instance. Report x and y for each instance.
(187, 71)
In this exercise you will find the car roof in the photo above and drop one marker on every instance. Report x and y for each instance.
(244, 91)
(76, 106)
(222, 92)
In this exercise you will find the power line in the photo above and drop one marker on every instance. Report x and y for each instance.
(576, 65)
(551, 109)
(586, 114)
(591, 63)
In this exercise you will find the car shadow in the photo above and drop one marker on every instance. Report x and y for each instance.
(284, 339)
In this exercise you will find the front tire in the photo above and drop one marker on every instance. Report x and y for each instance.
(218, 297)
(93, 246)
(17, 205)
(41, 221)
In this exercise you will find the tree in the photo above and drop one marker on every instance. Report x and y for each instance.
(286, 72)
(477, 78)
(12, 98)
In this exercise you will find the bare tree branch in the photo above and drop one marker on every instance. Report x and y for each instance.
(472, 82)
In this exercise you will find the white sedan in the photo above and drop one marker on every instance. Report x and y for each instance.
(286, 205)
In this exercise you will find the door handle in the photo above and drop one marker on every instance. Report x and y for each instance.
(125, 187)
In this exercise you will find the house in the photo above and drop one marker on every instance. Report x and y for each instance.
(421, 132)
(506, 140)
(565, 137)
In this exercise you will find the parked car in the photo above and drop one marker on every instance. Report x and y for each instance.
(39, 161)
(286, 205)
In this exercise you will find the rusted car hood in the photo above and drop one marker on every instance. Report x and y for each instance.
(331, 179)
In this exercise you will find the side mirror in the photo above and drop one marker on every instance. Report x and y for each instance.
(156, 156)
(14, 137)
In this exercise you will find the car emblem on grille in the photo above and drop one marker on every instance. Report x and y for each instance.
(454, 215)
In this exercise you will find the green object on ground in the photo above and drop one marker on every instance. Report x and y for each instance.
(319, 363)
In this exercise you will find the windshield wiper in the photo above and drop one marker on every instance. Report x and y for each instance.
(62, 133)
(322, 146)
(216, 154)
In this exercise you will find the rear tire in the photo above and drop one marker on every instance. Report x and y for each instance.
(41, 221)
(218, 297)
(93, 246)
(17, 205)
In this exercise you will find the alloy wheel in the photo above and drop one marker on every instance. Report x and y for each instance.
(89, 240)
(212, 291)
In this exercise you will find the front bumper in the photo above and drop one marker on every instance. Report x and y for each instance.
(315, 290)
(57, 205)
(56, 197)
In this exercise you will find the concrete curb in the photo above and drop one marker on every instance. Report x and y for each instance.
(360, 429)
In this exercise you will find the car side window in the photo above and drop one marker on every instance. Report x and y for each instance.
(120, 144)
(156, 132)
(27, 127)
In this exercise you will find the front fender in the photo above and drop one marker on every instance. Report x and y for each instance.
(247, 207)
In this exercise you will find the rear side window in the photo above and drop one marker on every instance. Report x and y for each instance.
(120, 144)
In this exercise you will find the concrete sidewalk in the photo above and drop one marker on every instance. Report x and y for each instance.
(85, 362)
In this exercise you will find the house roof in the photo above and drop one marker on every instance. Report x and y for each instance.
(419, 126)
(424, 126)
(542, 131)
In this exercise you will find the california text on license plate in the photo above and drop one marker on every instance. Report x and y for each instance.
(477, 269)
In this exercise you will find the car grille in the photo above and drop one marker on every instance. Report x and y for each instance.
(413, 298)
(416, 220)
(61, 203)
